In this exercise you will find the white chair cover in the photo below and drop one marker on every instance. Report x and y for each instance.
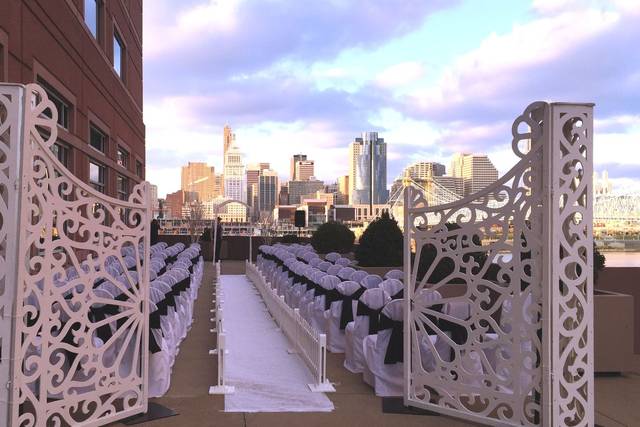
(371, 281)
(388, 379)
(394, 274)
(336, 336)
(356, 331)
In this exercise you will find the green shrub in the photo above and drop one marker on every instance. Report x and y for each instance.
(381, 243)
(599, 261)
(332, 237)
(290, 238)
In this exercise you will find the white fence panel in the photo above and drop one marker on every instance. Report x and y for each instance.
(512, 266)
(62, 372)
(306, 341)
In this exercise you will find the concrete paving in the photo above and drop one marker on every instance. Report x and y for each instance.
(617, 397)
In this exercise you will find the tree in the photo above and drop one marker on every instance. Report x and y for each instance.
(381, 243)
(332, 237)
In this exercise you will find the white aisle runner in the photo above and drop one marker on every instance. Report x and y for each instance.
(266, 378)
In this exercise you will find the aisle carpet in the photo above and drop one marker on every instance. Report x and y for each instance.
(266, 377)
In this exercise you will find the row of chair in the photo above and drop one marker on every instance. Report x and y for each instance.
(362, 316)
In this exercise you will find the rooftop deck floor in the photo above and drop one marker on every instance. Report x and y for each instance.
(617, 397)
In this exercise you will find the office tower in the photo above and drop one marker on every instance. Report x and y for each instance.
(368, 170)
(284, 194)
(228, 139)
(476, 170)
(343, 189)
(452, 184)
(294, 160)
(302, 169)
(200, 178)
(268, 186)
(297, 189)
(235, 178)
(176, 201)
(424, 170)
(87, 57)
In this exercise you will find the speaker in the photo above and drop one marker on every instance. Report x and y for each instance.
(300, 219)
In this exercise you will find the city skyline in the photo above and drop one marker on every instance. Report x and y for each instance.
(437, 80)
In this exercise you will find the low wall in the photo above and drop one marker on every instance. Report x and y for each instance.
(624, 280)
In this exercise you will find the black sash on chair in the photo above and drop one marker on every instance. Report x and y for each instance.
(97, 314)
(331, 296)
(398, 295)
(346, 315)
(154, 323)
(373, 315)
(395, 351)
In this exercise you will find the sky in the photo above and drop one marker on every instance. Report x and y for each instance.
(432, 77)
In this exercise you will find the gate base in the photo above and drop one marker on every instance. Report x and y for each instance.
(325, 387)
(395, 405)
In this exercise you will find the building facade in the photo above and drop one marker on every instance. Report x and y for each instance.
(228, 137)
(476, 170)
(235, 178)
(297, 189)
(200, 178)
(87, 55)
(268, 188)
(368, 170)
(175, 203)
(424, 170)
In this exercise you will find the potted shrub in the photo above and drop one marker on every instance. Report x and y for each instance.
(332, 237)
(381, 244)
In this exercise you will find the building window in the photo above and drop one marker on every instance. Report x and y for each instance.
(123, 157)
(63, 153)
(62, 105)
(122, 187)
(97, 176)
(139, 169)
(97, 138)
(118, 54)
(93, 16)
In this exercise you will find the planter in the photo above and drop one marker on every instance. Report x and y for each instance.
(613, 331)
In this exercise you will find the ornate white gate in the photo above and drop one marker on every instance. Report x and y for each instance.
(508, 338)
(64, 362)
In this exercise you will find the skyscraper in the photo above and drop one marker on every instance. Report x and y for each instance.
(227, 139)
(200, 178)
(268, 186)
(368, 170)
(302, 169)
(476, 170)
(235, 178)
(343, 189)
(424, 170)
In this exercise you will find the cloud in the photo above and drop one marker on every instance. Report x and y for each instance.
(221, 38)
(400, 74)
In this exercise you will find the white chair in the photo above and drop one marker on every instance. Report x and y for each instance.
(394, 274)
(356, 331)
(358, 275)
(332, 257)
(393, 287)
(345, 273)
(345, 262)
(378, 351)
(324, 265)
(318, 306)
(334, 270)
(334, 326)
(371, 281)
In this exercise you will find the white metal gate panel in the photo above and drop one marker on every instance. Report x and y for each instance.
(507, 338)
(62, 372)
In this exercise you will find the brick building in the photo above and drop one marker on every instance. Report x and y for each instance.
(87, 55)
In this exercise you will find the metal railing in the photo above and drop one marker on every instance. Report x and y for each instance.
(221, 349)
(305, 341)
